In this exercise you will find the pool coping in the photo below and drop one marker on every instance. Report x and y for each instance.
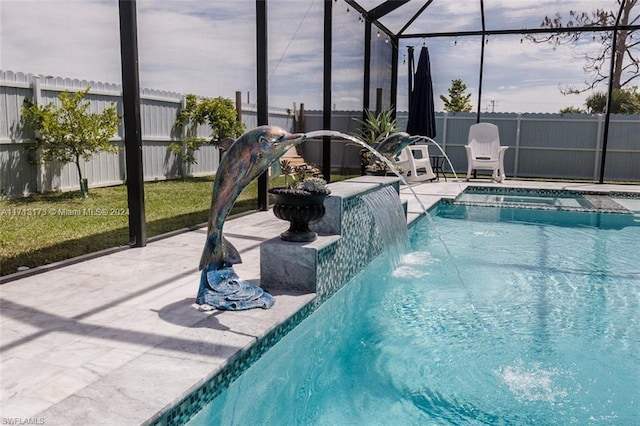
(135, 346)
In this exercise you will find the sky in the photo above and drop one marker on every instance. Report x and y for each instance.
(208, 47)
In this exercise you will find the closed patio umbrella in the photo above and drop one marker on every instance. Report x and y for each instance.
(422, 117)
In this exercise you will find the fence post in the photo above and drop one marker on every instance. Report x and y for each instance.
(378, 100)
(517, 147)
(42, 183)
(294, 117)
(301, 123)
(184, 133)
(239, 106)
(36, 87)
(444, 131)
(598, 149)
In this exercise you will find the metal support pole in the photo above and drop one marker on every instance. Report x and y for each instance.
(484, 41)
(480, 80)
(132, 122)
(367, 69)
(393, 98)
(262, 113)
(326, 89)
(607, 116)
(410, 73)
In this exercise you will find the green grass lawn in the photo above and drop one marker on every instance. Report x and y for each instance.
(46, 228)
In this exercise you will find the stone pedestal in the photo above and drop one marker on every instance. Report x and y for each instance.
(347, 242)
(286, 265)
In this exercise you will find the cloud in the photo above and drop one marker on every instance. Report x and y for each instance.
(208, 49)
(76, 39)
(540, 98)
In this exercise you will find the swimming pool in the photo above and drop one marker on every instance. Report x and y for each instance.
(513, 321)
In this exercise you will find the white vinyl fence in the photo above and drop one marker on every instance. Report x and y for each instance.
(560, 146)
(20, 173)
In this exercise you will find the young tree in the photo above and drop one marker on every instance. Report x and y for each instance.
(626, 64)
(458, 100)
(69, 132)
(219, 113)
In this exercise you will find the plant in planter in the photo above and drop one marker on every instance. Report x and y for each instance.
(373, 129)
(300, 201)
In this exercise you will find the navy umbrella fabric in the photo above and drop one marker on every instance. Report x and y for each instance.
(422, 116)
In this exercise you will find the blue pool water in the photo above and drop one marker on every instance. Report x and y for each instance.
(511, 322)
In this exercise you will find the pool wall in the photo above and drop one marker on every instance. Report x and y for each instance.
(347, 241)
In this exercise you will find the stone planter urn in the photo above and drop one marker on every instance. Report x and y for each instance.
(298, 207)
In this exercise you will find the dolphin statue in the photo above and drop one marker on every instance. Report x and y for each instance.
(395, 143)
(244, 160)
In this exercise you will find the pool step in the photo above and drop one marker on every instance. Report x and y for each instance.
(603, 202)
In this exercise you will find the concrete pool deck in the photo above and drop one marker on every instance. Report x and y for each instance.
(116, 339)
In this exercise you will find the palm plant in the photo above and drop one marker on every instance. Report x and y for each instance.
(376, 127)
(373, 129)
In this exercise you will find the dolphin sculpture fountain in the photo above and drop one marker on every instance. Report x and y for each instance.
(395, 143)
(244, 160)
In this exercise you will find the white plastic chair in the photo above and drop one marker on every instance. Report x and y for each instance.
(415, 169)
(484, 151)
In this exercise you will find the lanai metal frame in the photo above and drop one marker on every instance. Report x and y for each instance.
(372, 17)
